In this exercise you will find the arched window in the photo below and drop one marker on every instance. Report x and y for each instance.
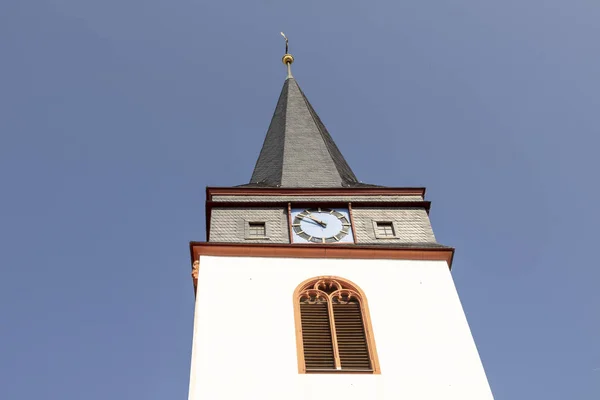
(333, 328)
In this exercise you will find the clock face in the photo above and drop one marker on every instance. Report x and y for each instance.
(321, 225)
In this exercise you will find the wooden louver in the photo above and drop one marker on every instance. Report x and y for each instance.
(351, 338)
(333, 330)
(316, 336)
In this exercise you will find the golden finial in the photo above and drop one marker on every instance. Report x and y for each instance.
(287, 59)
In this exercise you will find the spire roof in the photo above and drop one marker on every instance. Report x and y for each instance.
(298, 151)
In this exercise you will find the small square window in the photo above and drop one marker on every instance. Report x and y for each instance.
(385, 229)
(256, 229)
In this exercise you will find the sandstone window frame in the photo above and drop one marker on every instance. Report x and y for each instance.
(311, 286)
(383, 234)
(249, 231)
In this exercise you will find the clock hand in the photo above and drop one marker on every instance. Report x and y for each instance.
(323, 224)
(313, 222)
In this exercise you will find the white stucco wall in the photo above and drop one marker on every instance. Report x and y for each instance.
(245, 345)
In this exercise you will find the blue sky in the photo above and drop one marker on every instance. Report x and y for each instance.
(115, 116)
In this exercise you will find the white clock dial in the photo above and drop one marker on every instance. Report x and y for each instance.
(322, 225)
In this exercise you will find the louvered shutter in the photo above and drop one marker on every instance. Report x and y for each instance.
(351, 337)
(316, 336)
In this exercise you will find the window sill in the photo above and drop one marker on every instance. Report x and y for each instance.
(257, 238)
(339, 371)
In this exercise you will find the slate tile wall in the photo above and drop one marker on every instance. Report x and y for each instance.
(229, 224)
(411, 225)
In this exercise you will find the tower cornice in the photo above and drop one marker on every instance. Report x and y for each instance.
(434, 252)
(279, 191)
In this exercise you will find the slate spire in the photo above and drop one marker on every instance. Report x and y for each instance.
(298, 151)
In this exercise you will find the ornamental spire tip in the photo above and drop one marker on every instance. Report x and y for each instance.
(287, 59)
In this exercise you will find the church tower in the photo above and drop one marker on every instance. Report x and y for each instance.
(313, 285)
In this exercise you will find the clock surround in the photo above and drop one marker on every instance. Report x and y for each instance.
(321, 225)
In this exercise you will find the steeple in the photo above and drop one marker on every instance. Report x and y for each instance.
(350, 250)
(298, 151)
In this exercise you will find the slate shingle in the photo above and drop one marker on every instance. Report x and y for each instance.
(298, 151)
